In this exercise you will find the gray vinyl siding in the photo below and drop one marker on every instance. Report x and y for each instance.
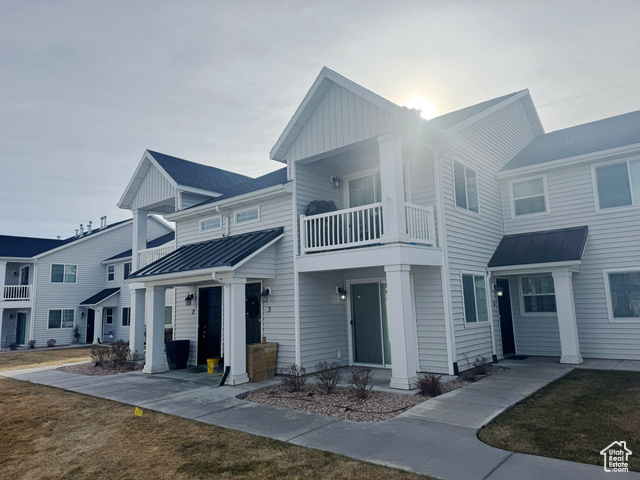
(612, 243)
(154, 188)
(484, 146)
(190, 199)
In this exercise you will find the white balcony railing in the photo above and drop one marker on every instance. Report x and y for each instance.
(150, 255)
(16, 292)
(352, 227)
(420, 224)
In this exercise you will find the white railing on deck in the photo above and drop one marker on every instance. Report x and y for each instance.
(16, 292)
(351, 227)
(150, 255)
(420, 224)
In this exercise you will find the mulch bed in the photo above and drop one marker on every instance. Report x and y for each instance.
(90, 369)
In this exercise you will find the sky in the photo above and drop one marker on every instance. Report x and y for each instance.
(86, 87)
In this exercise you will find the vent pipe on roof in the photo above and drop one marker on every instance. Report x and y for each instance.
(81, 230)
(58, 237)
(89, 226)
(76, 233)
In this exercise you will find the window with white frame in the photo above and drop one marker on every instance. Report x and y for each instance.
(126, 316)
(61, 318)
(538, 294)
(111, 273)
(248, 215)
(168, 316)
(127, 270)
(474, 292)
(212, 223)
(624, 294)
(108, 316)
(63, 273)
(619, 184)
(364, 190)
(466, 187)
(529, 196)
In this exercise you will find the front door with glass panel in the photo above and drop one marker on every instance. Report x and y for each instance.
(21, 327)
(370, 332)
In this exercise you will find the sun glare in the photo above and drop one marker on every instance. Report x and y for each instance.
(424, 104)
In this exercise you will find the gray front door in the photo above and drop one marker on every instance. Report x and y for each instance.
(21, 327)
(369, 324)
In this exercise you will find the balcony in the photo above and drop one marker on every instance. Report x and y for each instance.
(150, 255)
(361, 226)
(16, 292)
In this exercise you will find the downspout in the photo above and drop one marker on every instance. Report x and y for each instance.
(32, 327)
(296, 275)
(226, 219)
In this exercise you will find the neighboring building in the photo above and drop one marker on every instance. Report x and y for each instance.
(49, 286)
(424, 232)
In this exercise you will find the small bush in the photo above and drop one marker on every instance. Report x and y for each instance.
(120, 352)
(480, 365)
(361, 383)
(134, 357)
(469, 375)
(13, 346)
(328, 376)
(32, 344)
(168, 335)
(100, 355)
(76, 334)
(430, 385)
(293, 377)
(51, 342)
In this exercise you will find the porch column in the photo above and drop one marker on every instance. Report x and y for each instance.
(402, 334)
(136, 326)
(1, 322)
(97, 325)
(392, 183)
(235, 329)
(139, 240)
(565, 306)
(154, 308)
(3, 278)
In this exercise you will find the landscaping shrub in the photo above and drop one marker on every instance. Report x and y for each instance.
(51, 342)
(328, 376)
(100, 355)
(134, 357)
(430, 385)
(120, 352)
(32, 344)
(76, 334)
(480, 365)
(361, 383)
(13, 346)
(293, 377)
(168, 335)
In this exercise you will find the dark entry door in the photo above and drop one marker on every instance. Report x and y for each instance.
(209, 323)
(21, 327)
(253, 313)
(91, 316)
(366, 322)
(506, 319)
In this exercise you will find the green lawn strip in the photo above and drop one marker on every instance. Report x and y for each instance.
(573, 418)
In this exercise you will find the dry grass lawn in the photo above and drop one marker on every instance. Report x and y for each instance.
(49, 433)
(19, 359)
(574, 418)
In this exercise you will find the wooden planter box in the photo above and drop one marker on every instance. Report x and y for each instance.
(261, 361)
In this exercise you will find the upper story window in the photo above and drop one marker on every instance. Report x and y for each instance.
(624, 295)
(618, 184)
(127, 270)
(474, 292)
(538, 294)
(63, 273)
(529, 196)
(466, 187)
(212, 223)
(248, 215)
(61, 318)
(111, 273)
(364, 190)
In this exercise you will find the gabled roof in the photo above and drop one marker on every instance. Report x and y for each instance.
(550, 246)
(156, 242)
(450, 119)
(100, 297)
(222, 252)
(606, 134)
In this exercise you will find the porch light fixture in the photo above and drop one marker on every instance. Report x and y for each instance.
(82, 315)
(498, 290)
(10, 316)
(15, 274)
(335, 180)
(188, 299)
(342, 292)
(265, 294)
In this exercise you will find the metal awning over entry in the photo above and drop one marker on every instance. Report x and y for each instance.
(100, 297)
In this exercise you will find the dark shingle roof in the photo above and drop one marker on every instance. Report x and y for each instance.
(100, 296)
(579, 140)
(196, 175)
(221, 252)
(450, 119)
(563, 245)
(150, 244)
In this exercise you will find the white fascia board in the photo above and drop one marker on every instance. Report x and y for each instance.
(257, 195)
(532, 113)
(258, 252)
(573, 265)
(168, 278)
(563, 162)
(91, 305)
(137, 174)
(18, 259)
(88, 237)
(201, 191)
(116, 260)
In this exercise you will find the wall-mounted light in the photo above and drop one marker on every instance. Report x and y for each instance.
(188, 299)
(342, 292)
(335, 180)
(10, 316)
(15, 274)
(82, 315)
(498, 289)
(265, 294)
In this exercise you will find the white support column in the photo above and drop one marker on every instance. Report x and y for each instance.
(402, 334)
(235, 329)
(32, 318)
(139, 240)
(97, 325)
(3, 279)
(565, 305)
(1, 322)
(154, 359)
(392, 182)
(136, 326)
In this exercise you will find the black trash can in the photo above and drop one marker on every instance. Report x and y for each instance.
(178, 354)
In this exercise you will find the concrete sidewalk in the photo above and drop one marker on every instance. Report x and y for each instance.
(436, 438)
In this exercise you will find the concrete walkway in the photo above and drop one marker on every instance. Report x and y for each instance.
(436, 438)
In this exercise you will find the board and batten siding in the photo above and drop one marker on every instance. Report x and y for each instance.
(472, 238)
(153, 189)
(278, 311)
(341, 118)
(613, 243)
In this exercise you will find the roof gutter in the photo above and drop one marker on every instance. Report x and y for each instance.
(180, 275)
(536, 266)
